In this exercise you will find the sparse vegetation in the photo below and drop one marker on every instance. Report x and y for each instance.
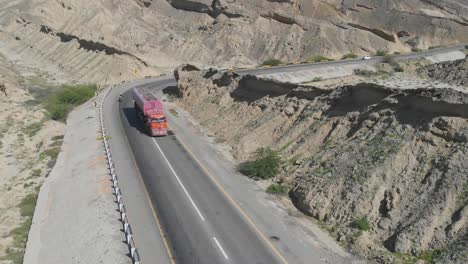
(174, 112)
(381, 53)
(318, 58)
(349, 56)
(465, 189)
(416, 50)
(28, 204)
(60, 104)
(272, 62)
(265, 166)
(398, 68)
(367, 73)
(403, 258)
(15, 253)
(20, 138)
(277, 188)
(431, 256)
(58, 138)
(36, 173)
(362, 224)
(51, 153)
(33, 128)
(57, 141)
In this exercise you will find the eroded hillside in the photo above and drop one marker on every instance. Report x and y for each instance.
(104, 41)
(451, 71)
(384, 168)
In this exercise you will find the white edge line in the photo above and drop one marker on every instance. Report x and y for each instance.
(220, 248)
(178, 180)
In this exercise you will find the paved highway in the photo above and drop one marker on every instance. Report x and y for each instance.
(202, 225)
(373, 60)
(182, 214)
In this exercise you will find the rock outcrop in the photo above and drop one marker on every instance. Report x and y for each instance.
(396, 158)
(455, 72)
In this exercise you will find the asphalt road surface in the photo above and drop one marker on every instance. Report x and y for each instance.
(179, 214)
(373, 60)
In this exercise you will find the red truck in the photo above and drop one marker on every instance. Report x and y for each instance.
(150, 110)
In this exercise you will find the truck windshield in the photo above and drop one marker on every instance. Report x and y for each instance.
(158, 120)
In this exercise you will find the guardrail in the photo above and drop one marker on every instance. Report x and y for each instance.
(115, 184)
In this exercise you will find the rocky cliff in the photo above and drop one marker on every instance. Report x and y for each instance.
(452, 71)
(393, 159)
(104, 40)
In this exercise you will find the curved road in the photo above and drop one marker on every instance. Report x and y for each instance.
(182, 214)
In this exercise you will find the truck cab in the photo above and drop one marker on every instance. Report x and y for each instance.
(157, 125)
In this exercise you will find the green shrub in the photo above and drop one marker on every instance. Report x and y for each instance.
(265, 166)
(362, 224)
(272, 62)
(349, 56)
(60, 104)
(381, 53)
(36, 173)
(398, 68)
(58, 138)
(361, 72)
(52, 153)
(276, 188)
(174, 112)
(28, 204)
(318, 58)
(416, 50)
(430, 256)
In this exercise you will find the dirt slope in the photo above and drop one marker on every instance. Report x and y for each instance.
(29, 144)
(104, 40)
(397, 158)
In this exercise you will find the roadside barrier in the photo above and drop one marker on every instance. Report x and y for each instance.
(115, 184)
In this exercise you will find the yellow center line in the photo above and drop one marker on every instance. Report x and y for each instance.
(244, 214)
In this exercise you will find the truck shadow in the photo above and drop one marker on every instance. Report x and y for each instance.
(133, 120)
(171, 90)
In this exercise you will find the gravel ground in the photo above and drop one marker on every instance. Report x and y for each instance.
(76, 220)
